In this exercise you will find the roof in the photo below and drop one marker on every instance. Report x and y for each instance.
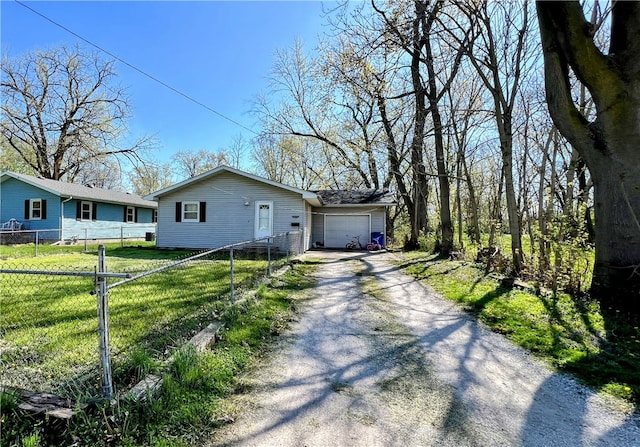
(63, 189)
(339, 197)
(307, 195)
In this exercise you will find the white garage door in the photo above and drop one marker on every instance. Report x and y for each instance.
(340, 229)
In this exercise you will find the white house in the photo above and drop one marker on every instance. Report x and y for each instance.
(225, 205)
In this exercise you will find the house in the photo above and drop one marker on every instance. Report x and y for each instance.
(72, 211)
(225, 206)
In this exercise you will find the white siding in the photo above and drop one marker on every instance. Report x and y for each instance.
(230, 212)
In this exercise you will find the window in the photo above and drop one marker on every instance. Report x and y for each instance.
(35, 212)
(264, 217)
(130, 214)
(190, 212)
(86, 211)
(35, 209)
(154, 217)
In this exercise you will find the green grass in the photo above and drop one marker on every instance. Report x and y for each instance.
(49, 323)
(599, 347)
(29, 250)
(191, 402)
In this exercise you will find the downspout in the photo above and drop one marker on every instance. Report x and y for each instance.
(384, 228)
(62, 217)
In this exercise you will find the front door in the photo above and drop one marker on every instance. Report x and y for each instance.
(264, 219)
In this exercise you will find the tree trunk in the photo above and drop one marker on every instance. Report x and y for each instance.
(495, 217)
(512, 208)
(609, 143)
(473, 202)
(616, 275)
(394, 165)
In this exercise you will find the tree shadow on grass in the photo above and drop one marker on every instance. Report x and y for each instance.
(604, 359)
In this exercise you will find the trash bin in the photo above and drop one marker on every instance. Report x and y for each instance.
(149, 237)
(378, 236)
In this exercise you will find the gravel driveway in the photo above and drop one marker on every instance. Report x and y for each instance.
(377, 359)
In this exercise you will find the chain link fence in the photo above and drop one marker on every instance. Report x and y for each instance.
(75, 332)
(124, 234)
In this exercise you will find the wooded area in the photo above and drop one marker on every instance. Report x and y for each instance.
(445, 103)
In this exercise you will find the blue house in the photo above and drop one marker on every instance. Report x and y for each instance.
(72, 211)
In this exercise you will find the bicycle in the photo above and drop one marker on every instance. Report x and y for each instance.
(354, 243)
(375, 245)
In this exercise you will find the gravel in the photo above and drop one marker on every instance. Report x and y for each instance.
(377, 359)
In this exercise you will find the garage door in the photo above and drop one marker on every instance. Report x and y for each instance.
(340, 229)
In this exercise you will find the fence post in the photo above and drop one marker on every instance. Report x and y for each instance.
(233, 293)
(121, 237)
(103, 324)
(86, 235)
(269, 256)
(37, 241)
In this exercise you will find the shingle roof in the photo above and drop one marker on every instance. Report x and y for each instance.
(356, 197)
(82, 192)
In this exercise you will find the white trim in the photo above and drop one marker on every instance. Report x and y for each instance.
(184, 211)
(31, 209)
(133, 214)
(91, 216)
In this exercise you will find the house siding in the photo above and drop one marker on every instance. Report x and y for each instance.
(108, 224)
(61, 215)
(378, 219)
(15, 192)
(228, 219)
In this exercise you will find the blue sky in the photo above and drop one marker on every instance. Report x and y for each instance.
(218, 53)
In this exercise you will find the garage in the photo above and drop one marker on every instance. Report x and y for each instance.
(342, 228)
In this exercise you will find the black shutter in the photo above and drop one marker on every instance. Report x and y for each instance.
(203, 211)
(124, 219)
(178, 211)
(135, 214)
(78, 210)
(94, 210)
(43, 209)
(26, 209)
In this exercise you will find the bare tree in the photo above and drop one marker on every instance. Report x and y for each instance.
(315, 106)
(502, 55)
(62, 111)
(291, 160)
(237, 151)
(146, 178)
(105, 174)
(609, 141)
(188, 164)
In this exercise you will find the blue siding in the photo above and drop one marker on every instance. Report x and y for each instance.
(109, 222)
(62, 215)
(15, 192)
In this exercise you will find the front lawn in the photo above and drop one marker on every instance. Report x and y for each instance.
(49, 323)
(190, 403)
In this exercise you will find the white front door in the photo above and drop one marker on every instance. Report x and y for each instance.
(264, 219)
